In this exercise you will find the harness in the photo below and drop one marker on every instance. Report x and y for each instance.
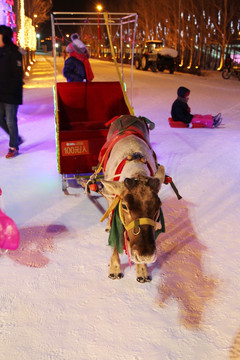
(122, 132)
(118, 232)
(108, 146)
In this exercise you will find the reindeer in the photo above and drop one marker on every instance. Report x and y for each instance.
(132, 180)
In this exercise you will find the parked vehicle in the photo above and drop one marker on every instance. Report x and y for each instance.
(156, 56)
(234, 72)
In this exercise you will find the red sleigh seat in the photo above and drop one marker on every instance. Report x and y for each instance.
(83, 110)
(180, 124)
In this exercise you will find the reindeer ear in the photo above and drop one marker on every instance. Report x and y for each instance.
(113, 187)
(129, 183)
(154, 184)
(160, 174)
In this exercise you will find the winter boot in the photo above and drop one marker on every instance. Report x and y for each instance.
(216, 118)
(11, 153)
(216, 123)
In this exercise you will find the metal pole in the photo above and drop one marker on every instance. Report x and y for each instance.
(121, 49)
(179, 25)
(132, 58)
(54, 47)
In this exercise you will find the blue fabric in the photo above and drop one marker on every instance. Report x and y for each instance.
(8, 122)
(74, 70)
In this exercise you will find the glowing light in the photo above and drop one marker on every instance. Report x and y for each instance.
(27, 73)
(99, 7)
(26, 34)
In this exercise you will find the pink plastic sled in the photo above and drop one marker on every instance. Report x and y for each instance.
(180, 124)
(9, 234)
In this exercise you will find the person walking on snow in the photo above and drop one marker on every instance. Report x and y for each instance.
(181, 112)
(11, 74)
(77, 67)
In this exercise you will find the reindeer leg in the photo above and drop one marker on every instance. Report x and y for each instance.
(142, 273)
(114, 271)
(108, 226)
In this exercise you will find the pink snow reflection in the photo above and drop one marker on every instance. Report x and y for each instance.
(180, 253)
(35, 242)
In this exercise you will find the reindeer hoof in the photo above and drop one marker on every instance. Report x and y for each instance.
(143, 280)
(114, 277)
(120, 276)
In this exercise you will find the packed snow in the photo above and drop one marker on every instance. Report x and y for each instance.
(56, 300)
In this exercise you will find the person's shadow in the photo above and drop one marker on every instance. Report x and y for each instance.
(35, 242)
(182, 272)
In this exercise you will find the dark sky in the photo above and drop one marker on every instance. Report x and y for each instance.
(78, 6)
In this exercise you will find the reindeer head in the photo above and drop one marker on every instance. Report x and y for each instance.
(139, 209)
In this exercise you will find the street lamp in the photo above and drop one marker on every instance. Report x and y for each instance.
(99, 8)
(34, 19)
(38, 41)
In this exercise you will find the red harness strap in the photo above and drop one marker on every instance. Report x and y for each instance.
(121, 166)
(107, 147)
(111, 121)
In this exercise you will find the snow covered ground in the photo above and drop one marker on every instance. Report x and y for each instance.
(56, 301)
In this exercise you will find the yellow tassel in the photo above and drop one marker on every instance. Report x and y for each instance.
(111, 207)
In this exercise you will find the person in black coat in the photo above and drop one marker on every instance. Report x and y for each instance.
(11, 74)
(181, 111)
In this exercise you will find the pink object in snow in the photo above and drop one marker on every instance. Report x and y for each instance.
(9, 234)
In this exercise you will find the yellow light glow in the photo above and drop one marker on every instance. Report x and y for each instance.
(26, 34)
(99, 7)
(35, 15)
(26, 73)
